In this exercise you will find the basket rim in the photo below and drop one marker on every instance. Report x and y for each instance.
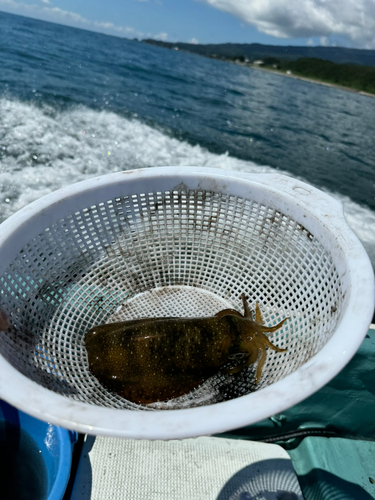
(316, 206)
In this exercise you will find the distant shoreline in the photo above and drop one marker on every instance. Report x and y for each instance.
(304, 78)
(332, 67)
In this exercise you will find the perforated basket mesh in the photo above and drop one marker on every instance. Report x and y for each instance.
(174, 252)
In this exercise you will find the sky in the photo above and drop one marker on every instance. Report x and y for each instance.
(347, 23)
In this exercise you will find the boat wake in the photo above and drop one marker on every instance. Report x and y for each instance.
(43, 149)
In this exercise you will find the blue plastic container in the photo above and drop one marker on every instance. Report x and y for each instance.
(55, 445)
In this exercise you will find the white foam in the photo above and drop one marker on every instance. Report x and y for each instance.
(48, 149)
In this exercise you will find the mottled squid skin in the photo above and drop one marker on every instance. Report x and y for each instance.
(157, 359)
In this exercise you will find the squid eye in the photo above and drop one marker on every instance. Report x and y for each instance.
(238, 355)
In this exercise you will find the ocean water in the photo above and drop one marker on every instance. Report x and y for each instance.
(76, 104)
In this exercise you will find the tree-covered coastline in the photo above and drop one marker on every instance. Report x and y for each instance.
(352, 76)
(356, 76)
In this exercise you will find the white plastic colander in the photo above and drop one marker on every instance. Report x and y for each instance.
(178, 241)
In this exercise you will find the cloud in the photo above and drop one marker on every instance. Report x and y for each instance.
(65, 15)
(55, 14)
(326, 42)
(194, 41)
(354, 19)
(10, 3)
(126, 30)
(160, 36)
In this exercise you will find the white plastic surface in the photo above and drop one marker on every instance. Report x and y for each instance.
(178, 242)
(191, 469)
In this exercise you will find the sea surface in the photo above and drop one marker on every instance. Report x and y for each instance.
(76, 104)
